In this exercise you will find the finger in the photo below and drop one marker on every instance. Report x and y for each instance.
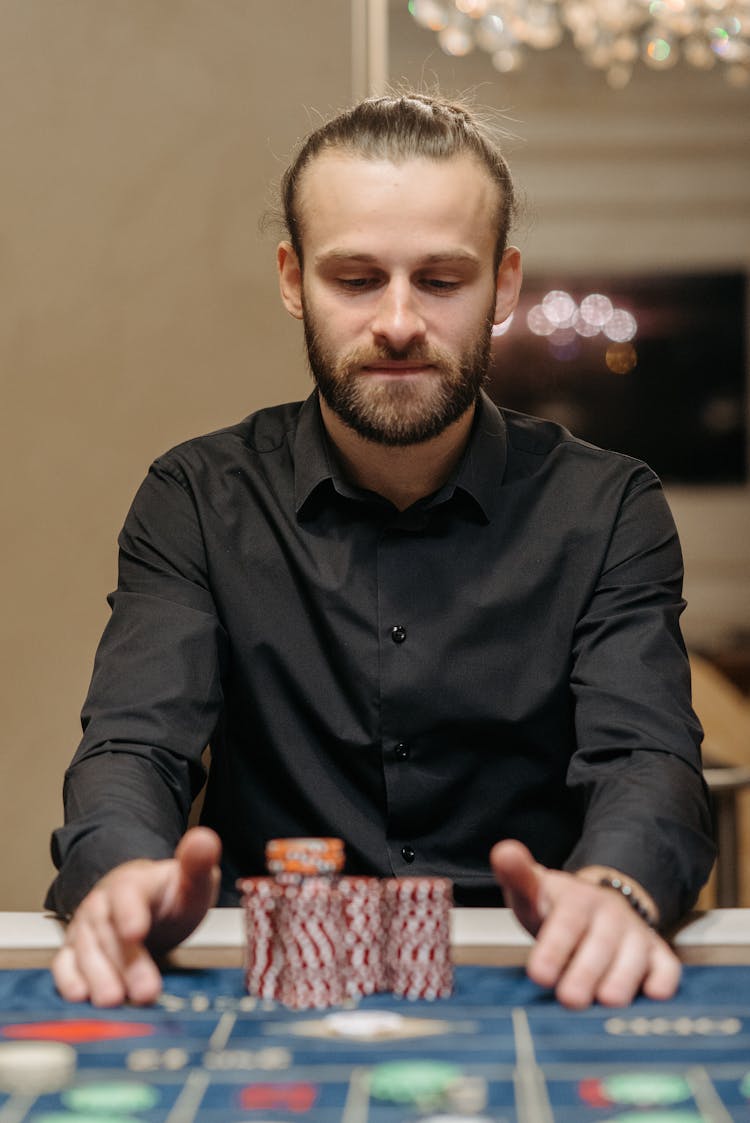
(589, 963)
(104, 952)
(142, 977)
(629, 967)
(109, 962)
(610, 964)
(103, 978)
(131, 905)
(132, 919)
(557, 940)
(664, 973)
(520, 878)
(68, 979)
(106, 910)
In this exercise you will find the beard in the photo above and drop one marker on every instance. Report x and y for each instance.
(399, 411)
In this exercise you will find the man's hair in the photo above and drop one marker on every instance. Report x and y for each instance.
(403, 127)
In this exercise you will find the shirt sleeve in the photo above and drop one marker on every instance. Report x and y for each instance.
(637, 766)
(154, 700)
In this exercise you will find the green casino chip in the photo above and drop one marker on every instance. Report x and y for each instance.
(84, 1117)
(646, 1089)
(745, 1085)
(406, 1082)
(110, 1096)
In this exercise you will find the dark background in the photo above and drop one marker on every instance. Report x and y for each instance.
(682, 408)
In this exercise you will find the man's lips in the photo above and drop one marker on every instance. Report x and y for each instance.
(413, 366)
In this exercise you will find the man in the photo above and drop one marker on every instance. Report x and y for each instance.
(398, 614)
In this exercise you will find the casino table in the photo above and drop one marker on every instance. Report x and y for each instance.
(500, 1050)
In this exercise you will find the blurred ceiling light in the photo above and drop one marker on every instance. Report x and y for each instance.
(564, 323)
(596, 313)
(610, 34)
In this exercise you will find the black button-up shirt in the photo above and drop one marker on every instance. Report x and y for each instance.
(501, 660)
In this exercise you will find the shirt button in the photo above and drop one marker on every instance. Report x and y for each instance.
(402, 751)
(398, 633)
(407, 854)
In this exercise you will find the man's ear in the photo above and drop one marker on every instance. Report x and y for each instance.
(508, 284)
(290, 279)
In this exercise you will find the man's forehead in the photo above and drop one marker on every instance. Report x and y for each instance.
(334, 164)
(339, 185)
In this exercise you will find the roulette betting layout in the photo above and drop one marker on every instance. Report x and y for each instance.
(499, 1050)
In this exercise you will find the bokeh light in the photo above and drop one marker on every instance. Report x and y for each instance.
(659, 51)
(559, 308)
(538, 322)
(456, 41)
(429, 13)
(612, 35)
(566, 324)
(596, 309)
(621, 357)
(584, 327)
(475, 9)
(621, 326)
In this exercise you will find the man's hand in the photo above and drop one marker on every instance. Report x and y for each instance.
(590, 944)
(138, 909)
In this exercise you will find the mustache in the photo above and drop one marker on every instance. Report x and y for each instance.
(413, 353)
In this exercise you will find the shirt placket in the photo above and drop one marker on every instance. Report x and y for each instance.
(400, 659)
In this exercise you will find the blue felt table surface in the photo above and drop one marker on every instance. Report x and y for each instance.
(33, 989)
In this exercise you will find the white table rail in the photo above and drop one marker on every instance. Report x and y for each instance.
(484, 936)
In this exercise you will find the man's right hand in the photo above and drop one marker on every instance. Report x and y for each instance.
(138, 910)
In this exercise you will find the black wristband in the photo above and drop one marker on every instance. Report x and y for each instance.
(628, 893)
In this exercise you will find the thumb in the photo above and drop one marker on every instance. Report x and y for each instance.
(198, 855)
(520, 878)
(192, 888)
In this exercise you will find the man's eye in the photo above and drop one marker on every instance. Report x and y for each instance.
(356, 282)
(439, 285)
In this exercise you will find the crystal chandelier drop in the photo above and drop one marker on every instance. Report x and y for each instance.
(612, 35)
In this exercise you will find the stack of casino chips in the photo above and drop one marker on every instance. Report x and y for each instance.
(417, 917)
(315, 939)
(263, 961)
(363, 914)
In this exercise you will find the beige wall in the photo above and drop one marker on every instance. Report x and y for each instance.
(138, 307)
(138, 304)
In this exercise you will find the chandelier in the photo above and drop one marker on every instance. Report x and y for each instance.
(612, 35)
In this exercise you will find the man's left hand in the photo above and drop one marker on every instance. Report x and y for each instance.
(590, 944)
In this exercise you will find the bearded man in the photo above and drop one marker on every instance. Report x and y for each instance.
(442, 631)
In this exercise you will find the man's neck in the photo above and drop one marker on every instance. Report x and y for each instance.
(400, 474)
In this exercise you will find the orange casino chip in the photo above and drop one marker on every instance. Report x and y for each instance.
(305, 856)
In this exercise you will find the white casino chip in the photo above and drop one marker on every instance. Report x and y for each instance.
(456, 1119)
(364, 1023)
(35, 1067)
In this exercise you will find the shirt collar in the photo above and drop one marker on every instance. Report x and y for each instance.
(312, 465)
(478, 475)
(482, 467)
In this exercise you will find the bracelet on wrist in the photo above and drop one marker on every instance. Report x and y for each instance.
(630, 896)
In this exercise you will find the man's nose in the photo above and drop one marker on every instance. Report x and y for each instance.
(398, 320)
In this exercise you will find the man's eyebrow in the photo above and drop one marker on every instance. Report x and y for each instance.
(440, 257)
